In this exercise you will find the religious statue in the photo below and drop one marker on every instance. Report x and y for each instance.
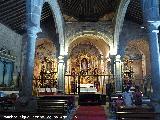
(84, 64)
(73, 72)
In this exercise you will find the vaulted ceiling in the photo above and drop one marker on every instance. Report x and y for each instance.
(13, 12)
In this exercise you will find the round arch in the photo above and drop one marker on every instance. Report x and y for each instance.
(59, 22)
(150, 10)
(119, 22)
(105, 40)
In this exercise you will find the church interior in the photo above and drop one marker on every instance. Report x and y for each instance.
(72, 59)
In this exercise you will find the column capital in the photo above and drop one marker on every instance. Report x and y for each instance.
(153, 24)
(61, 59)
(33, 30)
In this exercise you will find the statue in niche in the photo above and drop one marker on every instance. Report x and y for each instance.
(73, 73)
(96, 81)
(84, 65)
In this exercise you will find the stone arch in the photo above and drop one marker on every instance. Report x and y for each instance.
(119, 21)
(99, 35)
(150, 11)
(142, 46)
(59, 22)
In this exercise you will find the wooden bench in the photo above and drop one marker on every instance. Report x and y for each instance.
(52, 106)
(69, 98)
(135, 112)
(7, 104)
(135, 109)
(137, 115)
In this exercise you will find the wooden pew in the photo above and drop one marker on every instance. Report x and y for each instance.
(135, 109)
(7, 103)
(52, 106)
(137, 115)
(69, 98)
(135, 112)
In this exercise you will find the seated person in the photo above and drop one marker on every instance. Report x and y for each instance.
(137, 95)
(119, 102)
(127, 97)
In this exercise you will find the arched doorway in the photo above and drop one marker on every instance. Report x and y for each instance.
(87, 65)
(46, 54)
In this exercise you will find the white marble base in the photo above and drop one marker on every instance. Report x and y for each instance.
(47, 90)
(88, 90)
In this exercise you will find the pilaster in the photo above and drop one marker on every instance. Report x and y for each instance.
(118, 72)
(61, 71)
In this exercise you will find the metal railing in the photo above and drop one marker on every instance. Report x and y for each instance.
(73, 83)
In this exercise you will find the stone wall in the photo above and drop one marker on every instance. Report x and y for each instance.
(136, 35)
(11, 41)
(130, 31)
(78, 28)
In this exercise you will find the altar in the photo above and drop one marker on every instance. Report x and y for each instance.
(47, 91)
(87, 88)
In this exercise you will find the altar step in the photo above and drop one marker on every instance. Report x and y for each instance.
(92, 99)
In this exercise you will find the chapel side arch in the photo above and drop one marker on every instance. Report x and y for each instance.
(136, 59)
(59, 22)
(119, 22)
(60, 30)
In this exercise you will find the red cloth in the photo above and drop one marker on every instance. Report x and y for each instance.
(90, 113)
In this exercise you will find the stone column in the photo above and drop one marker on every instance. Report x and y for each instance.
(118, 72)
(112, 57)
(26, 101)
(61, 71)
(29, 62)
(155, 63)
